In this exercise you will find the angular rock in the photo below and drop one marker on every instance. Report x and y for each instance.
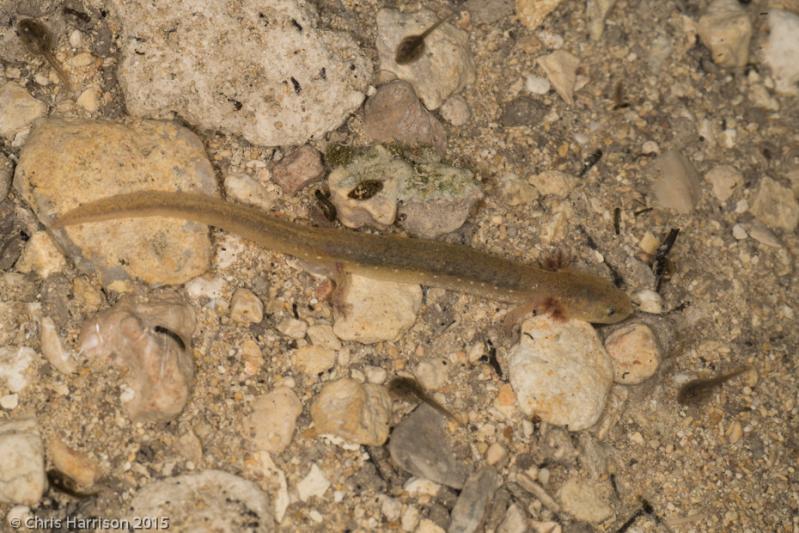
(76, 465)
(246, 307)
(313, 484)
(18, 110)
(532, 13)
(314, 360)
(273, 419)
(22, 478)
(456, 111)
(247, 190)
(353, 411)
(266, 72)
(371, 311)
(560, 372)
(420, 445)
(775, 205)
(561, 68)
(16, 366)
(152, 343)
(53, 349)
(210, 500)
(676, 182)
(445, 68)
(725, 29)
(488, 11)
(725, 180)
(41, 256)
(782, 49)
(65, 163)
(585, 501)
(473, 503)
(395, 114)
(597, 11)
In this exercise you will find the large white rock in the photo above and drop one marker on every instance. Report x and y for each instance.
(22, 478)
(560, 372)
(263, 70)
(782, 50)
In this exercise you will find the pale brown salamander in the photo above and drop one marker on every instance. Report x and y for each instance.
(386, 257)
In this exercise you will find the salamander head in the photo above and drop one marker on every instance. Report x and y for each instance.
(586, 297)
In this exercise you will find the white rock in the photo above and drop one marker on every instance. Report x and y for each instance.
(354, 411)
(648, 301)
(274, 419)
(561, 69)
(432, 373)
(532, 13)
(374, 311)
(515, 520)
(537, 84)
(410, 518)
(15, 363)
(18, 110)
(782, 49)
(375, 374)
(775, 205)
(313, 484)
(22, 478)
(445, 68)
(634, 352)
(243, 68)
(19, 514)
(560, 372)
(41, 256)
(209, 291)
(421, 487)
(739, 232)
(725, 29)
(9, 401)
(725, 180)
(391, 508)
(75, 38)
(210, 500)
(246, 307)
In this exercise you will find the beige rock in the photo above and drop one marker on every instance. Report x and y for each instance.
(247, 190)
(585, 500)
(274, 419)
(532, 13)
(313, 360)
(446, 67)
(77, 466)
(372, 311)
(66, 162)
(634, 352)
(90, 99)
(22, 477)
(554, 182)
(53, 349)
(775, 205)
(151, 342)
(354, 411)
(323, 335)
(725, 29)
(560, 372)
(246, 307)
(561, 69)
(292, 327)
(251, 355)
(676, 182)
(18, 110)
(725, 180)
(41, 256)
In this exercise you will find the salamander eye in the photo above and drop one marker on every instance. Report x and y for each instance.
(611, 311)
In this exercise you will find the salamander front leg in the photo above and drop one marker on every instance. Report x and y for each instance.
(535, 307)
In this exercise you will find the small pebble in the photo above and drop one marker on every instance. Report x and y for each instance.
(554, 182)
(375, 374)
(537, 84)
(739, 232)
(376, 310)
(77, 465)
(775, 205)
(353, 411)
(41, 256)
(16, 366)
(495, 454)
(89, 99)
(314, 484)
(53, 349)
(648, 301)
(9, 401)
(725, 29)
(421, 446)
(292, 327)
(531, 13)
(18, 110)
(780, 50)
(246, 307)
(314, 360)
(421, 487)
(474, 500)
(725, 180)
(456, 111)
(675, 182)
(514, 521)
(432, 373)
(585, 501)
(298, 169)
(634, 352)
(323, 335)
(6, 173)
(247, 190)
(561, 69)
(273, 419)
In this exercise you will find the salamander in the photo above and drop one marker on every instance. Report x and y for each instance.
(386, 257)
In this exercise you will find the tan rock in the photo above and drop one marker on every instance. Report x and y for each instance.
(354, 411)
(532, 13)
(274, 419)
(77, 466)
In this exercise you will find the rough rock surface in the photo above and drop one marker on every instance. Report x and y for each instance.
(245, 68)
(65, 163)
(354, 411)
